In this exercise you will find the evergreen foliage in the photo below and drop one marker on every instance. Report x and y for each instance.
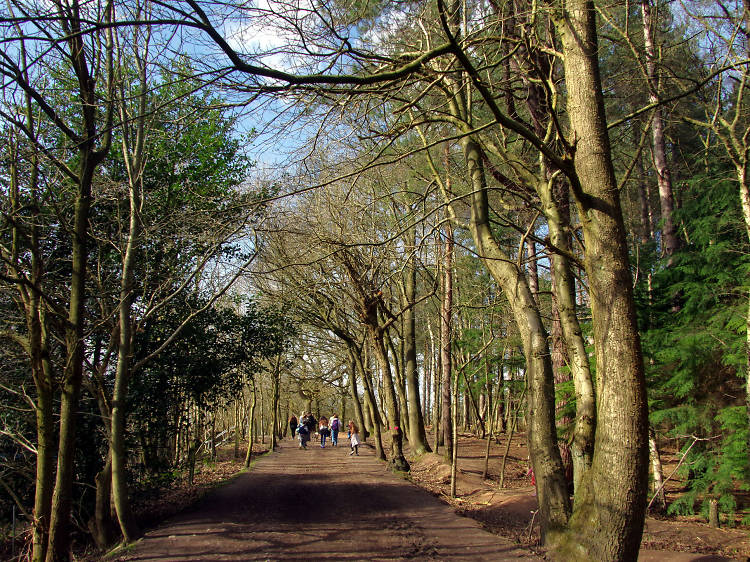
(694, 341)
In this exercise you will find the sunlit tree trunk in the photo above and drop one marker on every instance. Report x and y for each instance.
(391, 400)
(611, 497)
(36, 343)
(354, 392)
(134, 158)
(89, 157)
(59, 537)
(582, 445)
(357, 363)
(554, 503)
(671, 241)
(417, 435)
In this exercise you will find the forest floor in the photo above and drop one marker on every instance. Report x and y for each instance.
(509, 511)
(322, 504)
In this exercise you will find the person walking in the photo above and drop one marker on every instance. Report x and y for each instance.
(304, 435)
(353, 438)
(335, 427)
(312, 423)
(293, 425)
(323, 431)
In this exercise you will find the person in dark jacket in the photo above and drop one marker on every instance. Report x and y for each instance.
(311, 423)
(304, 436)
(293, 425)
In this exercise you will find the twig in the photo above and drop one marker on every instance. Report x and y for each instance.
(684, 456)
(531, 525)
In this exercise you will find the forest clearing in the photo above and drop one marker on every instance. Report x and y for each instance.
(430, 225)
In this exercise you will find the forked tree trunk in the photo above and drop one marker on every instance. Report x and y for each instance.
(370, 400)
(398, 460)
(554, 502)
(608, 516)
(582, 444)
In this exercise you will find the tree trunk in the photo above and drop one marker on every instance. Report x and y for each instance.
(275, 401)
(554, 503)
(45, 465)
(391, 401)
(372, 407)
(582, 445)
(446, 356)
(89, 158)
(671, 242)
(125, 517)
(26, 232)
(400, 380)
(251, 427)
(646, 230)
(510, 430)
(417, 435)
(744, 186)
(657, 472)
(612, 494)
(353, 390)
(454, 438)
(59, 536)
(102, 526)
(713, 513)
(533, 268)
(237, 432)
(491, 413)
(436, 389)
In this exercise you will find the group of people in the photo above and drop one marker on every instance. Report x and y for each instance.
(307, 425)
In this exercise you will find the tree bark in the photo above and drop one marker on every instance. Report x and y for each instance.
(102, 527)
(446, 355)
(353, 390)
(37, 340)
(417, 435)
(59, 536)
(275, 401)
(454, 438)
(612, 494)
(370, 399)
(391, 400)
(657, 472)
(251, 426)
(671, 241)
(399, 378)
(89, 157)
(554, 503)
(582, 444)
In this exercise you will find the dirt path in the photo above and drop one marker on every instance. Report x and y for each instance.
(321, 504)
